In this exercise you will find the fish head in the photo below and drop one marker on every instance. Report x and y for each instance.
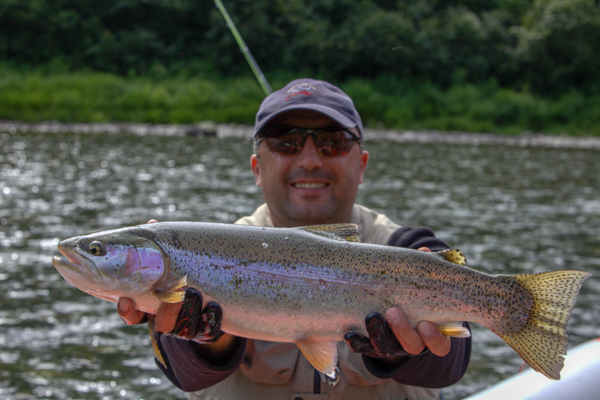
(112, 264)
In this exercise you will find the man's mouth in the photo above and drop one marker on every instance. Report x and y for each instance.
(309, 185)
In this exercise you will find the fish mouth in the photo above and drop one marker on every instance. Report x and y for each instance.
(74, 265)
(79, 276)
(64, 262)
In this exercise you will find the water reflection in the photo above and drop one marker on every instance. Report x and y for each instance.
(511, 209)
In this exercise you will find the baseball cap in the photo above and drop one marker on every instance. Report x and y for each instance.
(310, 94)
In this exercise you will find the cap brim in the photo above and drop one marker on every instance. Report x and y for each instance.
(327, 111)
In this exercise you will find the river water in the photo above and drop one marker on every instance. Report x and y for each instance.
(512, 207)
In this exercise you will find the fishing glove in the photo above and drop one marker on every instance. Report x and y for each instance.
(195, 323)
(381, 342)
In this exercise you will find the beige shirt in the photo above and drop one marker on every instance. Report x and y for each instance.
(280, 371)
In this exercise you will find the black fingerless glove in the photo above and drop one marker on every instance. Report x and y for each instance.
(381, 342)
(195, 323)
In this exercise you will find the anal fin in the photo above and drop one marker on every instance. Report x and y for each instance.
(321, 354)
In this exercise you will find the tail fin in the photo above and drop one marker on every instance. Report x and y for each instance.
(543, 340)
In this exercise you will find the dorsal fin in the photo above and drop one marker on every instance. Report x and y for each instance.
(454, 256)
(342, 232)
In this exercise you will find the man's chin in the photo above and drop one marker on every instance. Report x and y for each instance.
(313, 214)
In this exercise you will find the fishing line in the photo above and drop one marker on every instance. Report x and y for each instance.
(245, 50)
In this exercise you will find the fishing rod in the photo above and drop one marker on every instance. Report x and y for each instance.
(245, 50)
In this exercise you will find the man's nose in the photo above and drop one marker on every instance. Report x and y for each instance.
(310, 158)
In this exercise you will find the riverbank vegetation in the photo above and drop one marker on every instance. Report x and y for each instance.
(41, 94)
(501, 66)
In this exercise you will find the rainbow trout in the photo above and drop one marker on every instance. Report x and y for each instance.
(311, 285)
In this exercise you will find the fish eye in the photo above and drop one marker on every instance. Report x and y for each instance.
(96, 249)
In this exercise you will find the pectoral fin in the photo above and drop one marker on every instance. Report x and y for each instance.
(154, 340)
(172, 294)
(321, 354)
(169, 296)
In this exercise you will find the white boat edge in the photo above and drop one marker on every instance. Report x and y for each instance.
(580, 379)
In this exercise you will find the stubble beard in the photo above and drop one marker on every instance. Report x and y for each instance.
(331, 212)
(303, 216)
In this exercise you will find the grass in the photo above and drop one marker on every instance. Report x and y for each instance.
(473, 108)
(38, 94)
(86, 96)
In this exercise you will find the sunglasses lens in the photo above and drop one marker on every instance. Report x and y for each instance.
(290, 140)
(285, 140)
(334, 142)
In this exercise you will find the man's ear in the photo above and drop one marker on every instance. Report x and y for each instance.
(254, 165)
(364, 160)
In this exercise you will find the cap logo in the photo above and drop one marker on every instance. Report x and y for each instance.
(304, 89)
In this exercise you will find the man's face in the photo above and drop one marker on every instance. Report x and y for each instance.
(308, 188)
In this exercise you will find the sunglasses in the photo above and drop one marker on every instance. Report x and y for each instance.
(331, 141)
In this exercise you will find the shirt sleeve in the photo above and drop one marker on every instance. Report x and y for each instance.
(190, 372)
(427, 369)
(415, 238)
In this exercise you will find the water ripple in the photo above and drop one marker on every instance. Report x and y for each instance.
(511, 208)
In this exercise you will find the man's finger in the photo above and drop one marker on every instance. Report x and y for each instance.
(128, 313)
(438, 344)
(409, 338)
(425, 249)
(166, 316)
(358, 343)
(382, 337)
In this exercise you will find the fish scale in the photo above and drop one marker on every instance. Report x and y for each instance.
(311, 285)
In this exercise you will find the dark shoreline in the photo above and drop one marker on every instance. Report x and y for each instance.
(526, 139)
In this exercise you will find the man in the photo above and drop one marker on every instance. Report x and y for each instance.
(309, 163)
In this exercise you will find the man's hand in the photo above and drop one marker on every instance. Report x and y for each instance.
(128, 313)
(393, 336)
(416, 341)
(185, 319)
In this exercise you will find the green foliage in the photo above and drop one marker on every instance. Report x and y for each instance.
(385, 102)
(34, 95)
(559, 44)
(546, 46)
(500, 65)
(484, 107)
